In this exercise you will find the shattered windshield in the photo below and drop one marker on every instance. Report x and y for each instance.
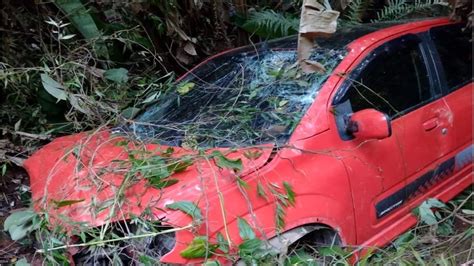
(249, 96)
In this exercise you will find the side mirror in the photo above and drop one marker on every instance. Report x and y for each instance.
(369, 124)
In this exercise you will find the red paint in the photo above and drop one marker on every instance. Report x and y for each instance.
(337, 183)
(370, 124)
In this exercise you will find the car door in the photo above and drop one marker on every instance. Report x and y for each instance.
(453, 50)
(396, 79)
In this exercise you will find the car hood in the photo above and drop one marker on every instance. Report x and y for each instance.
(83, 177)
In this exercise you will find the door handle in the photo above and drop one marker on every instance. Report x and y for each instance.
(430, 124)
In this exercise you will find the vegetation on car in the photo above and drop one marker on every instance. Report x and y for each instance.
(68, 66)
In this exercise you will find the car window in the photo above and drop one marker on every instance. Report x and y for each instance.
(455, 52)
(393, 82)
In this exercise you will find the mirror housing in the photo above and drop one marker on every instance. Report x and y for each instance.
(369, 124)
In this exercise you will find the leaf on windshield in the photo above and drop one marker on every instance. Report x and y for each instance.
(185, 88)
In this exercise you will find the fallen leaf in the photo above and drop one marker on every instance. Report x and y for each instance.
(119, 75)
(310, 66)
(316, 20)
(189, 48)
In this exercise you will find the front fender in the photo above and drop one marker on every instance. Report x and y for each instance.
(309, 209)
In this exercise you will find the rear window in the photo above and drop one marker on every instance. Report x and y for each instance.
(455, 52)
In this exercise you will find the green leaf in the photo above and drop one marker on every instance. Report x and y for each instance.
(187, 207)
(289, 193)
(245, 231)
(130, 112)
(20, 223)
(426, 214)
(160, 183)
(250, 245)
(4, 169)
(261, 191)
(18, 218)
(168, 152)
(223, 245)
(280, 217)
(242, 183)
(270, 24)
(199, 248)
(333, 251)
(179, 166)
(403, 240)
(224, 162)
(253, 155)
(64, 203)
(22, 262)
(300, 258)
(53, 87)
(445, 228)
(84, 23)
(18, 232)
(185, 88)
(118, 75)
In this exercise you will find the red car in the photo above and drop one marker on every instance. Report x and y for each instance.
(248, 148)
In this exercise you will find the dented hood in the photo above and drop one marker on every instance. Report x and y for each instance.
(88, 176)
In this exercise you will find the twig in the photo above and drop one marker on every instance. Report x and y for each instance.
(460, 217)
(31, 135)
(115, 239)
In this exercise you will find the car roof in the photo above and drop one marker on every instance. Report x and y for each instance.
(347, 34)
(345, 37)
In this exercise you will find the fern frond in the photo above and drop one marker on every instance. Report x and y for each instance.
(270, 24)
(356, 10)
(397, 9)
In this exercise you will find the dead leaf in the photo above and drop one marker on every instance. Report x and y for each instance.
(198, 4)
(183, 57)
(173, 27)
(189, 48)
(77, 103)
(316, 20)
(97, 72)
(310, 66)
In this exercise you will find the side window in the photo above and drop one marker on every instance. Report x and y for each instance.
(393, 82)
(455, 52)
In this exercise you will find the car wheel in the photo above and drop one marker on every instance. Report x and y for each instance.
(310, 247)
